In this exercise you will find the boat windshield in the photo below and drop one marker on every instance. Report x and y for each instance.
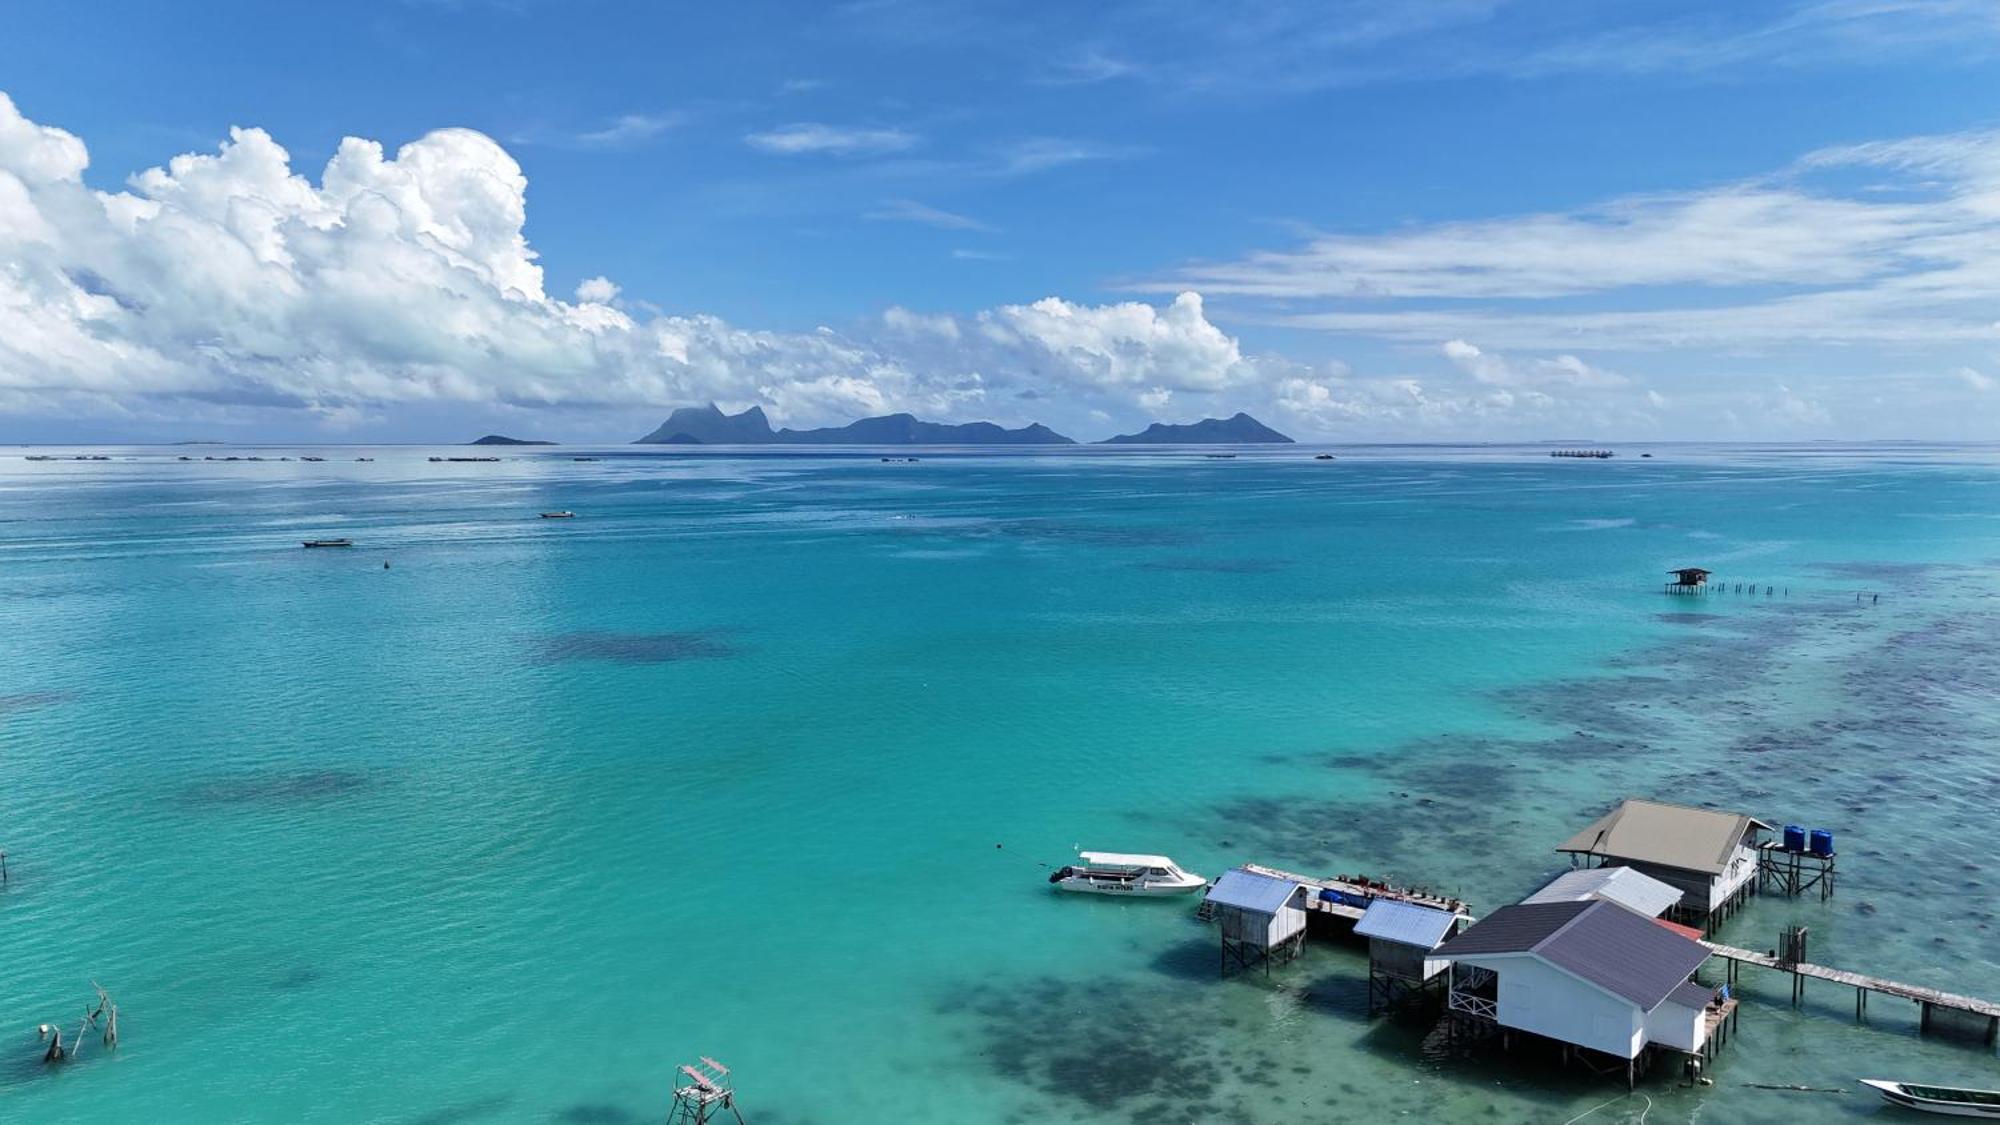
(1947, 1094)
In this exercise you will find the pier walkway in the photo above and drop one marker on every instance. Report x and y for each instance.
(1362, 892)
(1928, 999)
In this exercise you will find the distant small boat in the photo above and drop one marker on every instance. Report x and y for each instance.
(41, 457)
(899, 460)
(563, 515)
(364, 458)
(1115, 873)
(329, 542)
(1323, 457)
(1951, 1101)
(1220, 456)
(583, 458)
(312, 458)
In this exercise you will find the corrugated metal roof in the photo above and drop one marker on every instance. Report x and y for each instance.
(1405, 923)
(1617, 950)
(1670, 835)
(1692, 995)
(1247, 890)
(1635, 890)
(1513, 929)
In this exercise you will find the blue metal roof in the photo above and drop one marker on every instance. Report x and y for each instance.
(1405, 923)
(1247, 890)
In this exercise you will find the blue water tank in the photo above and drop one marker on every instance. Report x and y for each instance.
(1795, 838)
(1822, 841)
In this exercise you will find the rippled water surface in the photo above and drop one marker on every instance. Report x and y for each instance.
(761, 758)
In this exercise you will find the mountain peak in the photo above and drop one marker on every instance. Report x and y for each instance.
(1241, 429)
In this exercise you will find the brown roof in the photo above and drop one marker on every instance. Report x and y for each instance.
(1655, 832)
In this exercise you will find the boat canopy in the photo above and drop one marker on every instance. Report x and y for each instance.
(1120, 859)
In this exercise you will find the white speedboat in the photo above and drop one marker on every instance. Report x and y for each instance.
(1951, 1101)
(1115, 873)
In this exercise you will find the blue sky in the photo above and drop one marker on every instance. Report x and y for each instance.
(1410, 219)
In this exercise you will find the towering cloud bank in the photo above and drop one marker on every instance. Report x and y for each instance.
(231, 281)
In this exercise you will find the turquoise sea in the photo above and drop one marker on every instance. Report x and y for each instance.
(762, 757)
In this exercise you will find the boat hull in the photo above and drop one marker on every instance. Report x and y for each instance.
(1128, 889)
(1907, 1095)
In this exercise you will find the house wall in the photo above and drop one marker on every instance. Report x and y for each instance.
(1675, 1025)
(1261, 930)
(1406, 961)
(1536, 996)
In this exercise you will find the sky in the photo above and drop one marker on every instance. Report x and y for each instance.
(1358, 220)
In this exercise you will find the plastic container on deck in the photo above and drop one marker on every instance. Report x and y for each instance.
(1822, 841)
(1795, 838)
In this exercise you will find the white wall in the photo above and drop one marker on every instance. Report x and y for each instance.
(1675, 1025)
(1537, 997)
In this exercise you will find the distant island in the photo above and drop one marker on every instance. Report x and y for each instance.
(1240, 430)
(708, 425)
(503, 439)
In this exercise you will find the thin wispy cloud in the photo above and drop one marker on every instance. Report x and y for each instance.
(963, 254)
(632, 128)
(809, 138)
(923, 214)
(1040, 154)
(1778, 259)
(1086, 68)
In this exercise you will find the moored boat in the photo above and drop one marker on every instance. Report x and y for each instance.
(1117, 873)
(1949, 1101)
(328, 542)
(562, 515)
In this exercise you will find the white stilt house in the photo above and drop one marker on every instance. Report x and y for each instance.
(1262, 918)
(1588, 974)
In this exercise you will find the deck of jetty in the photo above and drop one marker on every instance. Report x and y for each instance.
(1362, 891)
(1928, 999)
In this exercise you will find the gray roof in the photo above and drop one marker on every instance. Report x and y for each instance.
(1625, 886)
(1247, 890)
(1620, 951)
(1692, 995)
(1405, 923)
(1678, 836)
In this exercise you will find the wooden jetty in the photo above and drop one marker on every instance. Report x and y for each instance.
(1791, 959)
(1356, 892)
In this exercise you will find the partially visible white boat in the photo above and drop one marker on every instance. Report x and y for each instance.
(1951, 1101)
(1116, 873)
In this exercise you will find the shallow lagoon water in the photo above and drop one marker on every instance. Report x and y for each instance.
(761, 757)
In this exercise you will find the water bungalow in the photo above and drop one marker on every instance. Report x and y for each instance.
(1687, 580)
(1711, 857)
(1403, 938)
(1626, 886)
(1598, 979)
(1262, 916)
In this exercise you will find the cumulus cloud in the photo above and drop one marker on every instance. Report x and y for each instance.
(833, 140)
(405, 278)
(1498, 370)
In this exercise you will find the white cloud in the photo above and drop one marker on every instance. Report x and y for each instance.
(833, 140)
(228, 279)
(1976, 379)
(911, 211)
(1040, 154)
(597, 290)
(1786, 258)
(1496, 370)
(632, 128)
